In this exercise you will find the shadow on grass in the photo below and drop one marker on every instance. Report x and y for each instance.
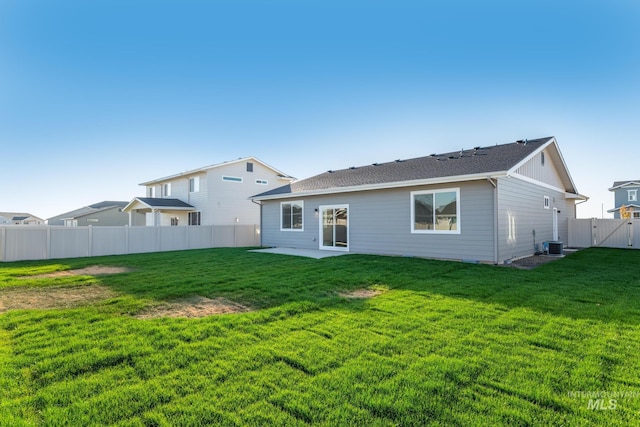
(596, 284)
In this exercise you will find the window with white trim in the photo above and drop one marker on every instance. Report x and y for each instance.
(546, 202)
(262, 181)
(151, 192)
(632, 195)
(435, 211)
(194, 184)
(232, 178)
(166, 189)
(249, 167)
(636, 215)
(291, 216)
(194, 218)
(174, 221)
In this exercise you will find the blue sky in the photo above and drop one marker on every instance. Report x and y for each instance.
(98, 96)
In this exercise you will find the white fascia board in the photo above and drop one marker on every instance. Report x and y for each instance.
(567, 194)
(530, 156)
(386, 185)
(172, 208)
(536, 182)
(553, 142)
(576, 196)
(214, 166)
(626, 184)
(626, 206)
(134, 201)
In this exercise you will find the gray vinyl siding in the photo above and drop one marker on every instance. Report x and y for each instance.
(380, 223)
(108, 217)
(521, 204)
(546, 172)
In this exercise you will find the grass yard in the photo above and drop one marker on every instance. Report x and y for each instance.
(439, 343)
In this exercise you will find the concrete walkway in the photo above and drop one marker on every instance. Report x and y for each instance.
(309, 253)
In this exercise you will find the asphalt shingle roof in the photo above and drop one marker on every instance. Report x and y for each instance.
(618, 183)
(164, 203)
(477, 160)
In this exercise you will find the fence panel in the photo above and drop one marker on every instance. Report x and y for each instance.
(606, 233)
(109, 241)
(31, 242)
(69, 242)
(25, 242)
(143, 239)
(580, 233)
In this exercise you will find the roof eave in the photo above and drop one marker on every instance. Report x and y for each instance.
(214, 166)
(576, 196)
(626, 184)
(386, 185)
(554, 142)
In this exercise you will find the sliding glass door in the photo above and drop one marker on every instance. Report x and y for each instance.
(334, 227)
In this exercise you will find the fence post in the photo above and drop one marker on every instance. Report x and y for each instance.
(90, 240)
(3, 237)
(48, 250)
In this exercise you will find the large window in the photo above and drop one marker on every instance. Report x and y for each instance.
(166, 189)
(633, 195)
(194, 184)
(291, 216)
(194, 218)
(435, 211)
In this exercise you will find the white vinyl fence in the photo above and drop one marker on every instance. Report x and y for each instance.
(606, 233)
(32, 242)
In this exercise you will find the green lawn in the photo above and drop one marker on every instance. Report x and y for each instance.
(445, 343)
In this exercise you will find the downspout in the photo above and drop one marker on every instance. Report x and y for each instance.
(495, 219)
(259, 204)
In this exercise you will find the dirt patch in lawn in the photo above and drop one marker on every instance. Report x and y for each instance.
(531, 262)
(193, 307)
(95, 270)
(360, 293)
(52, 297)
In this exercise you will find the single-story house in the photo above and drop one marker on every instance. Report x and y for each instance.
(105, 213)
(19, 218)
(485, 204)
(626, 194)
(212, 195)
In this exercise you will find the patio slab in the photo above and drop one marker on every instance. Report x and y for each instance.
(309, 253)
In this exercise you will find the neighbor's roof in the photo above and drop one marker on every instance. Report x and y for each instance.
(620, 184)
(18, 216)
(158, 203)
(88, 210)
(475, 163)
(217, 165)
(626, 206)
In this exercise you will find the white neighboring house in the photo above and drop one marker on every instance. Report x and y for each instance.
(212, 195)
(19, 218)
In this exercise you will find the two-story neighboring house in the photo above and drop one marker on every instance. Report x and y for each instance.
(626, 194)
(211, 195)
